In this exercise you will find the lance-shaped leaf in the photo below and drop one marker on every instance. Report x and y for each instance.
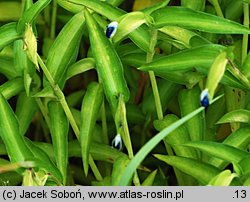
(64, 49)
(223, 179)
(203, 172)
(197, 20)
(91, 106)
(59, 127)
(8, 34)
(128, 23)
(240, 115)
(108, 63)
(80, 67)
(17, 149)
(216, 73)
(26, 107)
(220, 150)
(31, 14)
(12, 88)
(202, 56)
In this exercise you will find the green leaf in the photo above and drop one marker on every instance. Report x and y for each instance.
(202, 56)
(144, 151)
(59, 127)
(119, 165)
(223, 179)
(150, 179)
(240, 115)
(178, 136)
(203, 172)
(8, 34)
(128, 23)
(17, 149)
(64, 49)
(108, 64)
(190, 19)
(12, 87)
(216, 73)
(220, 150)
(80, 67)
(6, 67)
(196, 125)
(91, 106)
(140, 36)
(26, 108)
(31, 14)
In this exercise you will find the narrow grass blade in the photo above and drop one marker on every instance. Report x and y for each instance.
(91, 106)
(59, 127)
(203, 172)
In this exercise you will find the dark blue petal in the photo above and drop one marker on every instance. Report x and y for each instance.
(109, 31)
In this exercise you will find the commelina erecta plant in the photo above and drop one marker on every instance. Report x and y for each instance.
(114, 92)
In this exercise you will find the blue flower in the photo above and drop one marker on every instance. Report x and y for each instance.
(111, 29)
(117, 142)
(204, 98)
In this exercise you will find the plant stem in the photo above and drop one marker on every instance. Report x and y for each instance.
(94, 168)
(63, 102)
(126, 136)
(217, 8)
(245, 36)
(149, 58)
(104, 124)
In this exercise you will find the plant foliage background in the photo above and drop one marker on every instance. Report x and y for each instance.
(165, 101)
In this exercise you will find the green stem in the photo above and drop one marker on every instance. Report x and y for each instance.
(43, 110)
(217, 8)
(53, 20)
(245, 36)
(149, 58)
(94, 168)
(66, 109)
(104, 124)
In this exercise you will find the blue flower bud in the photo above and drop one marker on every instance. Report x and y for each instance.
(117, 142)
(111, 29)
(204, 98)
